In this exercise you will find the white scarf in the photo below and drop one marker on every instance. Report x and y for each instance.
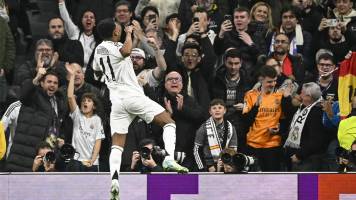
(297, 125)
(213, 138)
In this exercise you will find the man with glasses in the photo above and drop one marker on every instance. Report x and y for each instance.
(68, 50)
(123, 12)
(291, 66)
(194, 82)
(188, 115)
(326, 68)
(45, 57)
(300, 41)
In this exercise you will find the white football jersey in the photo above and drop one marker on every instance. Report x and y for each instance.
(118, 72)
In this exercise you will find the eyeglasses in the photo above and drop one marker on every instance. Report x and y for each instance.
(281, 42)
(174, 79)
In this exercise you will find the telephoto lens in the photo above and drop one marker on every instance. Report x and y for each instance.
(50, 157)
(145, 153)
(226, 158)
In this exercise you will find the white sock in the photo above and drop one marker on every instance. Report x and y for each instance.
(115, 159)
(169, 139)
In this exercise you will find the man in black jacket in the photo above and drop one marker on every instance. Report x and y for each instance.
(310, 15)
(333, 39)
(187, 114)
(229, 84)
(238, 34)
(68, 50)
(44, 57)
(146, 159)
(307, 140)
(39, 119)
(194, 82)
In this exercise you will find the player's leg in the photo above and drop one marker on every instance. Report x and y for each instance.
(117, 147)
(169, 138)
(150, 111)
(119, 122)
(169, 132)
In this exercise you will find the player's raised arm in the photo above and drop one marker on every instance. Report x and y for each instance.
(126, 49)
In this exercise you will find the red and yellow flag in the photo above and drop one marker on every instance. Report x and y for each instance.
(347, 84)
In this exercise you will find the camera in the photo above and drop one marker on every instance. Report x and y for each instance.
(195, 19)
(156, 152)
(350, 156)
(241, 161)
(145, 153)
(343, 153)
(50, 157)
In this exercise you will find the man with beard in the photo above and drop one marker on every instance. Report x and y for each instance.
(237, 33)
(292, 66)
(40, 117)
(68, 50)
(334, 40)
(230, 85)
(262, 110)
(148, 76)
(44, 57)
(310, 16)
(300, 41)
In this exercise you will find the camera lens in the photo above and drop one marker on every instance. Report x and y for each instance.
(49, 157)
(226, 158)
(145, 153)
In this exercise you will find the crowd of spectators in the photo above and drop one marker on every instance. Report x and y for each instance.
(253, 77)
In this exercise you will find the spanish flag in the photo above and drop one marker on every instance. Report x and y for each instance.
(347, 84)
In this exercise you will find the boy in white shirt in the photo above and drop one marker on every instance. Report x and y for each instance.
(87, 127)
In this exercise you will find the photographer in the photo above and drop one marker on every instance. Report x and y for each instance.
(45, 159)
(347, 158)
(233, 162)
(148, 159)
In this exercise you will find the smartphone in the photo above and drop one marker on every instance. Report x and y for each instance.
(151, 17)
(330, 96)
(331, 22)
(228, 17)
(195, 19)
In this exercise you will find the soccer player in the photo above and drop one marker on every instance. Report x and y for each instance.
(112, 62)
